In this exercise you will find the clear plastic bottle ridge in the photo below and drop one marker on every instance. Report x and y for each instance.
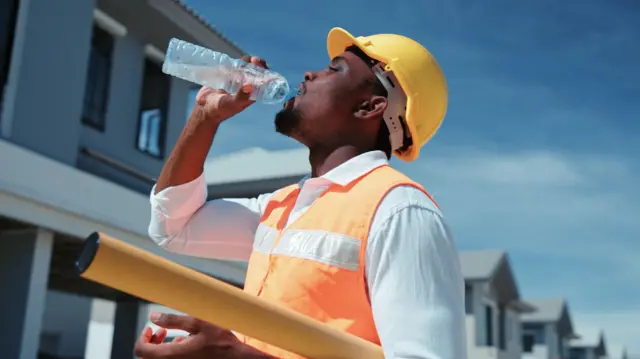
(216, 70)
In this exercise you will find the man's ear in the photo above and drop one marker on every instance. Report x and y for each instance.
(373, 108)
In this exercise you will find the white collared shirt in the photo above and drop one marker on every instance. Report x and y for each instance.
(412, 267)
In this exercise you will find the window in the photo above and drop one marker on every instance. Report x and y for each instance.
(98, 77)
(153, 110)
(468, 299)
(8, 16)
(488, 315)
(577, 353)
(502, 338)
(527, 343)
(537, 330)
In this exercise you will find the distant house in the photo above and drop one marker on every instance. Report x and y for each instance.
(589, 347)
(546, 333)
(493, 305)
(619, 352)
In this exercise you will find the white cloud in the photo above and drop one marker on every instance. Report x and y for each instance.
(569, 221)
(527, 169)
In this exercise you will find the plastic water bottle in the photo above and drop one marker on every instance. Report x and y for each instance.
(218, 71)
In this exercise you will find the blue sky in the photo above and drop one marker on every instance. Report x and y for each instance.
(536, 154)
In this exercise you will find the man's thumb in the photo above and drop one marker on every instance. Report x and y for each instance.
(173, 321)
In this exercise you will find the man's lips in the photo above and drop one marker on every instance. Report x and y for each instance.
(291, 102)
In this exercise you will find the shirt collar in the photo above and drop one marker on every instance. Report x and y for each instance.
(353, 169)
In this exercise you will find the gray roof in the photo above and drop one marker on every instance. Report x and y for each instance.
(555, 310)
(206, 23)
(257, 164)
(494, 267)
(548, 310)
(480, 265)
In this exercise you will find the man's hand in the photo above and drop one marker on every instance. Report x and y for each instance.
(187, 158)
(205, 341)
(219, 105)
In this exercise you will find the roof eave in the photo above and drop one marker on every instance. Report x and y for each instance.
(196, 26)
(522, 307)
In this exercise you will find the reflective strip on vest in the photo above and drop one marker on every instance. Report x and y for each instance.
(325, 247)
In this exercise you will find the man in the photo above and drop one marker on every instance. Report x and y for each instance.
(357, 245)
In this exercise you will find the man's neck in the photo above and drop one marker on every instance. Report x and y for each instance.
(324, 161)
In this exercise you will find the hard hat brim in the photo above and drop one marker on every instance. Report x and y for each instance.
(339, 39)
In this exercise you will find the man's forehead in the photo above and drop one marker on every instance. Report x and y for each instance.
(350, 59)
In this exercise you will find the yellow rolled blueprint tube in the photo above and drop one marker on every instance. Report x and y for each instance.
(132, 270)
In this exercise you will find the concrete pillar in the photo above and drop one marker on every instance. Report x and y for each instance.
(25, 256)
(130, 319)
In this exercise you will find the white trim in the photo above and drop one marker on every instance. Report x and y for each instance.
(154, 53)
(109, 24)
(61, 198)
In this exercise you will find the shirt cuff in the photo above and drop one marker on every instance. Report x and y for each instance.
(181, 200)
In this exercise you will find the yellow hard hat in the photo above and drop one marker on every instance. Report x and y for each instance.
(422, 102)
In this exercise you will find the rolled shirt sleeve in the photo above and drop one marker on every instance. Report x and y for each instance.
(184, 222)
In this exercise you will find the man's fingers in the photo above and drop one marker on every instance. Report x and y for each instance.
(259, 62)
(181, 348)
(173, 321)
(159, 336)
(146, 335)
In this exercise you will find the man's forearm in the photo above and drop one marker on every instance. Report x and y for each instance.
(186, 161)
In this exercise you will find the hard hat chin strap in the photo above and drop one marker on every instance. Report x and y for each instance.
(395, 114)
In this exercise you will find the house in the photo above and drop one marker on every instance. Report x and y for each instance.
(87, 119)
(546, 333)
(493, 305)
(589, 346)
(618, 352)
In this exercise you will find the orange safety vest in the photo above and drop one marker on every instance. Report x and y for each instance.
(315, 266)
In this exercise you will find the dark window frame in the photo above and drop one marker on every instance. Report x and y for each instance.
(468, 299)
(98, 81)
(528, 341)
(8, 12)
(151, 66)
(502, 330)
(488, 326)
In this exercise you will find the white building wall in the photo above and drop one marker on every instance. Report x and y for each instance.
(513, 336)
(551, 338)
(539, 352)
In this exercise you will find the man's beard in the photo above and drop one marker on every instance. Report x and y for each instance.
(287, 121)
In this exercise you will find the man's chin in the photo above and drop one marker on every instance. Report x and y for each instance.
(287, 122)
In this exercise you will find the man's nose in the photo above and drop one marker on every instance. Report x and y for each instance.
(309, 76)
